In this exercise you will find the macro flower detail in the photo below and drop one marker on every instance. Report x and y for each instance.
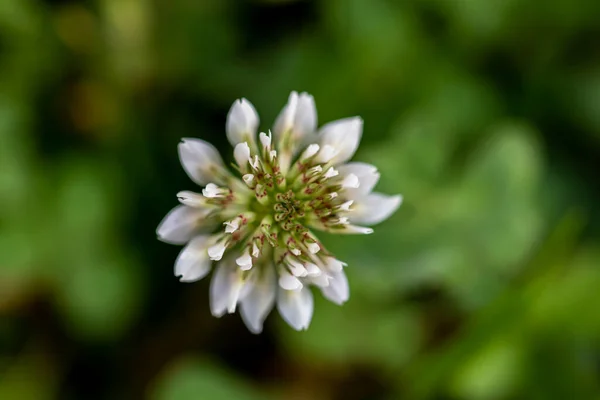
(256, 224)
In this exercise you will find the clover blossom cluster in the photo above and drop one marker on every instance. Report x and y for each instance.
(255, 223)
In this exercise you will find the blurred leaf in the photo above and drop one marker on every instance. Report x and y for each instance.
(15, 156)
(491, 373)
(188, 379)
(31, 376)
(355, 334)
(99, 299)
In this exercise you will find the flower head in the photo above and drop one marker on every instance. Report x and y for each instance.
(258, 224)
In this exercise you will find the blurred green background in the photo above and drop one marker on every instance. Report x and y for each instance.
(484, 114)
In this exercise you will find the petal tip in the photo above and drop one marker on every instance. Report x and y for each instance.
(399, 199)
(395, 203)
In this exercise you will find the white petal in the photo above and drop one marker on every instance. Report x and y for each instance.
(331, 172)
(337, 291)
(225, 288)
(312, 269)
(248, 179)
(298, 118)
(310, 151)
(241, 153)
(244, 261)
(332, 264)
(313, 248)
(233, 225)
(213, 191)
(265, 139)
(288, 281)
(216, 251)
(326, 154)
(343, 220)
(367, 176)
(200, 160)
(296, 268)
(319, 280)
(354, 229)
(314, 170)
(374, 208)
(193, 263)
(296, 307)
(305, 122)
(259, 301)
(350, 182)
(230, 227)
(272, 154)
(180, 224)
(242, 122)
(345, 206)
(255, 163)
(285, 120)
(343, 135)
(191, 199)
(255, 250)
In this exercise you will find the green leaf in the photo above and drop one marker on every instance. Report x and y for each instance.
(191, 379)
(358, 332)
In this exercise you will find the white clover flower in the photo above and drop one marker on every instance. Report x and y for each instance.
(257, 224)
